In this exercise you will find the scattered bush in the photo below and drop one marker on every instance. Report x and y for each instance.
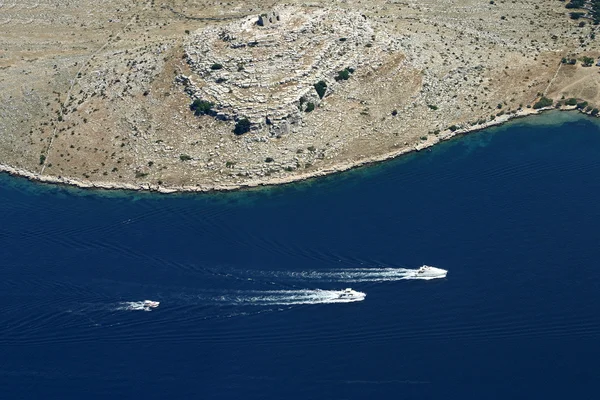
(201, 107)
(453, 128)
(216, 66)
(587, 61)
(321, 88)
(432, 107)
(571, 102)
(269, 160)
(576, 15)
(242, 126)
(310, 107)
(42, 159)
(344, 74)
(582, 105)
(594, 112)
(543, 102)
(575, 4)
(184, 157)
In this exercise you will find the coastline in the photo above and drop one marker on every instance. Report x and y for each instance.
(432, 141)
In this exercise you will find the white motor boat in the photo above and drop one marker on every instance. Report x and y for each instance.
(151, 303)
(428, 272)
(348, 295)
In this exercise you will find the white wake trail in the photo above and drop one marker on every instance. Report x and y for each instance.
(290, 297)
(364, 274)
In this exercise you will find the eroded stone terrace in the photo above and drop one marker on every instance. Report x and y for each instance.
(260, 72)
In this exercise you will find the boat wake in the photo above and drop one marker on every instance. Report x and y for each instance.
(291, 297)
(350, 275)
(146, 305)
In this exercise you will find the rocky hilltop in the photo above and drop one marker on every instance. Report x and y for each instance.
(264, 68)
(190, 96)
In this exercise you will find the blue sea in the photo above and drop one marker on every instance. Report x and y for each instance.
(244, 280)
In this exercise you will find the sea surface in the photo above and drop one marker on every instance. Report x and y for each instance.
(513, 213)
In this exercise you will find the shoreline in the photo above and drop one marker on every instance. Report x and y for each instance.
(342, 167)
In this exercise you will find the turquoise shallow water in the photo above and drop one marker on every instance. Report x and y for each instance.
(511, 212)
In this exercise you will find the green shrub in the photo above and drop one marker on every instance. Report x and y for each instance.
(184, 157)
(310, 107)
(269, 160)
(201, 107)
(242, 126)
(571, 102)
(594, 112)
(432, 107)
(587, 61)
(582, 105)
(321, 88)
(216, 66)
(575, 4)
(543, 102)
(42, 159)
(576, 15)
(344, 74)
(453, 128)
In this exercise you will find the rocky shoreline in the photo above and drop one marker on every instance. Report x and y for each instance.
(225, 98)
(443, 136)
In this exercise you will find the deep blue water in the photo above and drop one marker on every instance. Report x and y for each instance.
(512, 213)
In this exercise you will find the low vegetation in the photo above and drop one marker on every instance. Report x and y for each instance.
(344, 74)
(571, 102)
(201, 107)
(242, 126)
(543, 102)
(321, 88)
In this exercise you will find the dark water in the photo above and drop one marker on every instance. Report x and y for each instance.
(512, 213)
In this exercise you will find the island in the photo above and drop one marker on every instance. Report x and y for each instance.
(202, 96)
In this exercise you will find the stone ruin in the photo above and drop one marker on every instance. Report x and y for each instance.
(264, 69)
(268, 19)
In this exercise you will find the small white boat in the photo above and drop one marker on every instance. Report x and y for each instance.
(349, 294)
(151, 303)
(428, 272)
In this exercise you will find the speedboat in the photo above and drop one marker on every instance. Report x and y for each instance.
(351, 295)
(428, 272)
(151, 303)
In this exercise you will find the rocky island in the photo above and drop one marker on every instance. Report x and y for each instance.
(196, 96)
